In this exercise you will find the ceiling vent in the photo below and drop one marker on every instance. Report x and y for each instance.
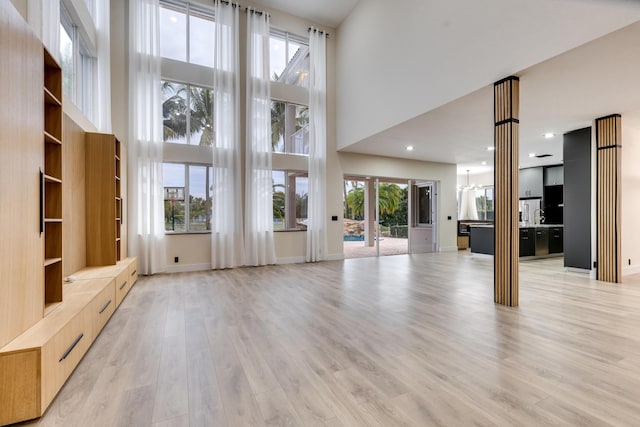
(541, 156)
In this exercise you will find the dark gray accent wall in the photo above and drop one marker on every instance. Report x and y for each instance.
(577, 198)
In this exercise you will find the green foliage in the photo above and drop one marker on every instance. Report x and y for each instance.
(392, 203)
(400, 214)
(279, 202)
(355, 202)
(278, 111)
(174, 112)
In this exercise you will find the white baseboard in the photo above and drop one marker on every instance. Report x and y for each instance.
(448, 249)
(335, 257)
(185, 268)
(291, 260)
(633, 269)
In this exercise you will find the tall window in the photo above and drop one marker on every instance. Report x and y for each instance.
(289, 128)
(290, 196)
(77, 58)
(289, 58)
(186, 33)
(187, 197)
(187, 114)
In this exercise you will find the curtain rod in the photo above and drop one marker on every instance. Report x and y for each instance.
(315, 30)
(247, 9)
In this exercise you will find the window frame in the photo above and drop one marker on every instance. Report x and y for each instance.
(288, 38)
(79, 24)
(187, 192)
(287, 194)
(286, 144)
(189, 9)
(188, 112)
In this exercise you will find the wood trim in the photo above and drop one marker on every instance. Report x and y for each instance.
(506, 178)
(609, 145)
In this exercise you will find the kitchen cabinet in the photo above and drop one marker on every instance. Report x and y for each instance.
(553, 175)
(556, 240)
(531, 183)
(542, 241)
(527, 241)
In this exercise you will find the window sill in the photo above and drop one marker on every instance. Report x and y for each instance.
(180, 233)
(288, 230)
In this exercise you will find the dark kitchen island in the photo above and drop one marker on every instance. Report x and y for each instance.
(536, 241)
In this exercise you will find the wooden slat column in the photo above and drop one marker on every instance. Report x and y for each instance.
(609, 143)
(506, 162)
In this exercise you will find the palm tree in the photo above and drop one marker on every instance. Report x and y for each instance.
(279, 202)
(389, 196)
(355, 202)
(389, 199)
(202, 115)
(174, 111)
(278, 111)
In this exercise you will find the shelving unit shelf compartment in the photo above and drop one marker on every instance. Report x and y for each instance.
(52, 185)
(104, 202)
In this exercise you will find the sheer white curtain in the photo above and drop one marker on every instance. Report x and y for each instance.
(146, 207)
(227, 248)
(258, 227)
(103, 81)
(317, 223)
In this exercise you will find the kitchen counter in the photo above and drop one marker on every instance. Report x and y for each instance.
(536, 241)
(521, 226)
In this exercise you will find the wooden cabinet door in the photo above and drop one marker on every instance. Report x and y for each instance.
(21, 159)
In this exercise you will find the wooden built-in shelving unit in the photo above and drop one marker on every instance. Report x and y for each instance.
(43, 337)
(52, 181)
(104, 199)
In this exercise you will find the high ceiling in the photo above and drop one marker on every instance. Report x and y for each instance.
(326, 12)
(559, 95)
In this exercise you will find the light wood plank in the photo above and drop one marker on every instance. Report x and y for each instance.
(405, 340)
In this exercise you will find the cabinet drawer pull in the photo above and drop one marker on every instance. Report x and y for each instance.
(123, 285)
(70, 349)
(134, 272)
(104, 307)
(525, 237)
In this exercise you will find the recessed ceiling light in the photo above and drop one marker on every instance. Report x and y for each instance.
(549, 135)
(484, 163)
(491, 148)
(410, 147)
(532, 154)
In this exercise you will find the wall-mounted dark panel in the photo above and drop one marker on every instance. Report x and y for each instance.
(577, 198)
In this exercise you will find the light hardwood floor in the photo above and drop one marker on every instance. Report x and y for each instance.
(410, 340)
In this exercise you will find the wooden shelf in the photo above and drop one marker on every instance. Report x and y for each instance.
(50, 261)
(48, 178)
(102, 170)
(50, 98)
(50, 139)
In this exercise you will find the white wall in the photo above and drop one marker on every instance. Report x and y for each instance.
(22, 7)
(630, 193)
(398, 60)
